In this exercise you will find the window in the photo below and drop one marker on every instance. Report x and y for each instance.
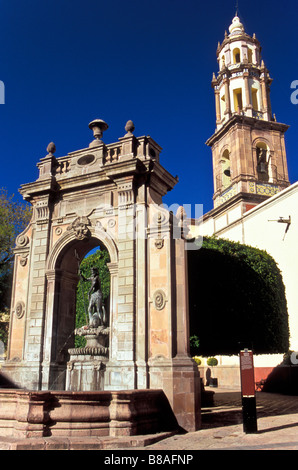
(249, 52)
(254, 95)
(226, 169)
(223, 62)
(222, 105)
(236, 56)
(238, 104)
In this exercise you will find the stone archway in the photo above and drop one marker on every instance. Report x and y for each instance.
(62, 279)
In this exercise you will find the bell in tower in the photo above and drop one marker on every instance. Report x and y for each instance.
(248, 146)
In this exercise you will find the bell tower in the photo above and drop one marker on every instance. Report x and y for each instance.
(248, 146)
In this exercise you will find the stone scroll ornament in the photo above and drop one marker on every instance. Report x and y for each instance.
(80, 227)
(22, 240)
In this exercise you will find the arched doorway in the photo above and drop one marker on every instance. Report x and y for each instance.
(62, 282)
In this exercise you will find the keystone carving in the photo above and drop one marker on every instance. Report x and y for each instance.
(80, 227)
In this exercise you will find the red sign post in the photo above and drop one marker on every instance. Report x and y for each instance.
(249, 408)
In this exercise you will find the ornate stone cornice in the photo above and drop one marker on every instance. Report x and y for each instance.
(249, 121)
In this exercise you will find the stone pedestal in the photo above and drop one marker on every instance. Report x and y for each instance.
(86, 367)
(180, 380)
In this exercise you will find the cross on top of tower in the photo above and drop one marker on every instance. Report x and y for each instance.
(237, 7)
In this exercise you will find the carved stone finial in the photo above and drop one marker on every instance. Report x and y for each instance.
(129, 127)
(51, 148)
(183, 222)
(181, 213)
(98, 126)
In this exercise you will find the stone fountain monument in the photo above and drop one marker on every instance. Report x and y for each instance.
(108, 196)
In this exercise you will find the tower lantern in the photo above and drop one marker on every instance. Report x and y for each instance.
(249, 156)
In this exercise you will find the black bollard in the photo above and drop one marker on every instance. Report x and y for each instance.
(248, 393)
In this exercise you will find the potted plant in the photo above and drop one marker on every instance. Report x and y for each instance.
(212, 362)
(197, 360)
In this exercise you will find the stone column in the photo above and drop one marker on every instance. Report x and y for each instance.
(19, 297)
(52, 278)
(29, 350)
(120, 372)
(141, 296)
(186, 378)
(264, 97)
(113, 314)
(217, 106)
(247, 95)
(227, 97)
(170, 365)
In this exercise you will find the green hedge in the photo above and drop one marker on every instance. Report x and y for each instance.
(97, 260)
(236, 299)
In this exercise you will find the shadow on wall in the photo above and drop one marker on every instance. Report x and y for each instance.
(283, 379)
(5, 382)
(210, 381)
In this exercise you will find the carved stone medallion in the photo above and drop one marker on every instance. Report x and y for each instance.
(159, 299)
(159, 243)
(20, 309)
(58, 231)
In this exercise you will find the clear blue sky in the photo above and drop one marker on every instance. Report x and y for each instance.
(67, 62)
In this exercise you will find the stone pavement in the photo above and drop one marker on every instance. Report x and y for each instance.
(222, 427)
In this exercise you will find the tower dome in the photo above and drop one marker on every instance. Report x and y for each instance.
(236, 27)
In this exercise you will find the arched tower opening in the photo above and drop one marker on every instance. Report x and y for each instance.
(236, 56)
(263, 161)
(226, 169)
